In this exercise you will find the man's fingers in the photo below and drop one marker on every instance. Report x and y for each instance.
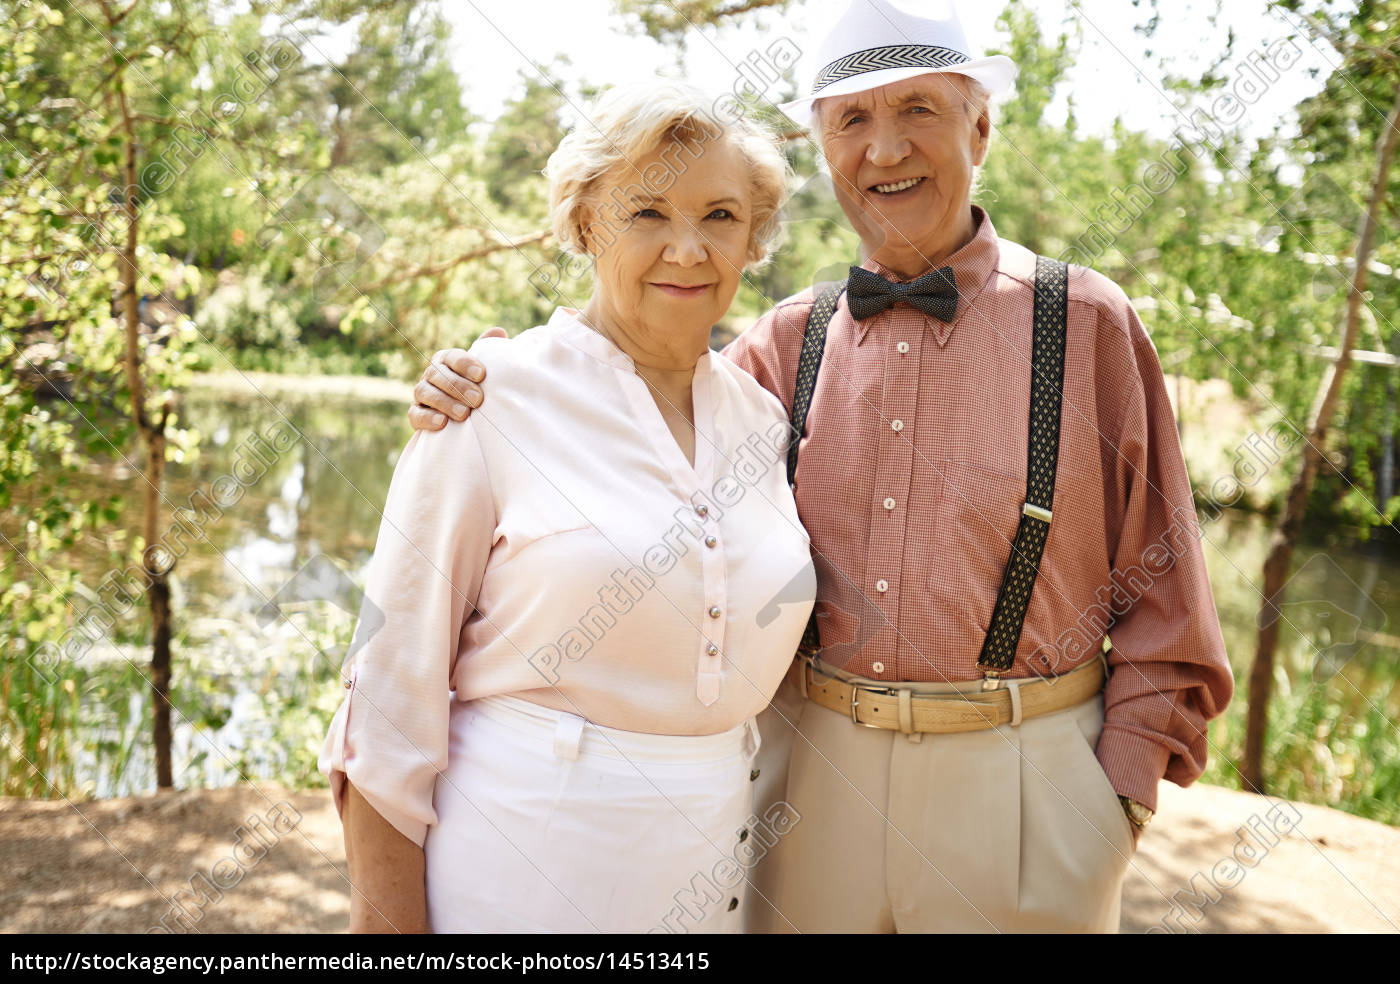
(424, 419)
(463, 363)
(452, 389)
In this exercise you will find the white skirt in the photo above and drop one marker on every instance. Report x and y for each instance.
(550, 824)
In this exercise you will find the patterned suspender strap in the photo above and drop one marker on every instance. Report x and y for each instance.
(1043, 451)
(813, 344)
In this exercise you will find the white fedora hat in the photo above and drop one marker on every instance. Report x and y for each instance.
(876, 43)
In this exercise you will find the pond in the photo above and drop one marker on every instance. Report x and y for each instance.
(265, 598)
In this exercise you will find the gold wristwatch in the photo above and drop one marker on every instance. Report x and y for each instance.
(1138, 815)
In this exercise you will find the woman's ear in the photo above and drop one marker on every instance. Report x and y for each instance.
(587, 215)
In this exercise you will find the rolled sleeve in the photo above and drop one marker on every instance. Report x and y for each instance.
(390, 734)
(1170, 675)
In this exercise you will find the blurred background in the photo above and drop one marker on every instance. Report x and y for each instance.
(209, 375)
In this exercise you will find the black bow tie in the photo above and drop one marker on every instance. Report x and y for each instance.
(935, 294)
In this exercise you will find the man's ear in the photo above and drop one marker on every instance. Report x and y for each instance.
(984, 136)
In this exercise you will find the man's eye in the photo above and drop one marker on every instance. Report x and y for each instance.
(920, 109)
(852, 120)
(720, 213)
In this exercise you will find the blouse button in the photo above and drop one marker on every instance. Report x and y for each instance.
(902, 348)
(710, 541)
(743, 835)
(753, 775)
(882, 585)
(889, 502)
(702, 510)
(715, 611)
(896, 425)
(347, 684)
(712, 650)
(733, 904)
(878, 667)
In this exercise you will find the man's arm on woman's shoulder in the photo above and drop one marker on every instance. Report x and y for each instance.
(449, 387)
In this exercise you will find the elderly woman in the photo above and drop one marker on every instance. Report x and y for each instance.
(551, 729)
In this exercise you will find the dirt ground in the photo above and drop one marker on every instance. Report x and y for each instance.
(111, 866)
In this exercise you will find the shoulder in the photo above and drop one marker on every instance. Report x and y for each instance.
(504, 358)
(1090, 292)
(741, 387)
(779, 330)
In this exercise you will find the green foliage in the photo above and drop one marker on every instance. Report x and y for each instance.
(248, 313)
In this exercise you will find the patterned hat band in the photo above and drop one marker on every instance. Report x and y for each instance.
(890, 56)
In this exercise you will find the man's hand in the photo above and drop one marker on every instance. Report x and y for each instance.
(448, 387)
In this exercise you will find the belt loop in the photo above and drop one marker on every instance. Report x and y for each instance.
(802, 665)
(906, 710)
(1014, 686)
(753, 740)
(568, 735)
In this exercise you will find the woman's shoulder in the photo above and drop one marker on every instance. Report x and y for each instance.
(750, 393)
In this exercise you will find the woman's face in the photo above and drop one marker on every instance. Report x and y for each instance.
(669, 234)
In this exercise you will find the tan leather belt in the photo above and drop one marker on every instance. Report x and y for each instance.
(895, 709)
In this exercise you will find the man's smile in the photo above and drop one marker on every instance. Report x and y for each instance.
(897, 187)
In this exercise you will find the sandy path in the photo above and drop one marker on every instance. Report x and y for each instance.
(105, 870)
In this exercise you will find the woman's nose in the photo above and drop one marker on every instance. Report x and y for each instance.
(687, 246)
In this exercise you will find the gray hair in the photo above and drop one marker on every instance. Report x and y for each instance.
(629, 122)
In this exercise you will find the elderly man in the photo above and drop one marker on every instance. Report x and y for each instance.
(990, 474)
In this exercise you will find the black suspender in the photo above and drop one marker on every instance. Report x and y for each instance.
(1042, 455)
(813, 344)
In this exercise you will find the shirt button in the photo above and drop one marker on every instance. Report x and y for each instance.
(743, 835)
(882, 585)
(347, 684)
(896, 425)
(712, 650)
(711, 541)
(878, 667)
(733, 904)
(702, 510)
(889, 502)
(753, 774)
(902, 348)
(715, 611)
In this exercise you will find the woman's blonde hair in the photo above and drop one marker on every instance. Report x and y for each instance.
(628, 123)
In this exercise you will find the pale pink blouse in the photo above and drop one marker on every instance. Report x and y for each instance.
(559, 547)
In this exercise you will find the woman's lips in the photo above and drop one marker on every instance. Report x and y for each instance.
(675, 290)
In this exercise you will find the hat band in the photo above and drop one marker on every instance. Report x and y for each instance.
(890, 56)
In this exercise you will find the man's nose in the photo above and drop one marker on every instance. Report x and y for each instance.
(687, 246)
(888, 144)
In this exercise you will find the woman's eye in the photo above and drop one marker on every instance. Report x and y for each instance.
(646, 213)
(919, 109)
(720, 213)
(852, 120)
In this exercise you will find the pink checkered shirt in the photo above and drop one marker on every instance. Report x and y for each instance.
(912, 479)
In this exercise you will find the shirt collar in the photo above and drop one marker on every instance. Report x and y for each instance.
(565, 322)
(973, 266)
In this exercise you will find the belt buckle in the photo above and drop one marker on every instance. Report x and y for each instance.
(857, 688)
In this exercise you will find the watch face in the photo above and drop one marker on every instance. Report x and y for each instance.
(1137, 813)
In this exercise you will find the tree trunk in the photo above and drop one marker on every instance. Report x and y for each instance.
(157, 563)
(1285, 536)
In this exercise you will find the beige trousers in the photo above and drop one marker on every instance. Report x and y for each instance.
(1013, 829)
